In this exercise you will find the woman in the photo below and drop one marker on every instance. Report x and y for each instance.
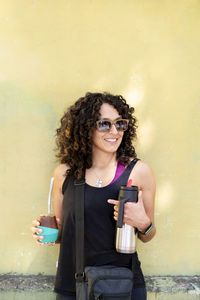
(95, 137)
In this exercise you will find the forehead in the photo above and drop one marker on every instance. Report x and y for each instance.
(107, 111)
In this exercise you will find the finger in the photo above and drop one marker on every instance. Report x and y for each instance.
(37, 237)
(39, 243)
(36, 223)
(112, 201)
(116, 208)
(36, 230)
(116, 214)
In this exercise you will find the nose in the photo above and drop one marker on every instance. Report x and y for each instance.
(113, 129)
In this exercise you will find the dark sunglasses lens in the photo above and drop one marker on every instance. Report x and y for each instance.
(104, 125)
(122, 125)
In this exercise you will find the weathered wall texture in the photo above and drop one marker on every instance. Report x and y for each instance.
(33, 287)
(51, 53)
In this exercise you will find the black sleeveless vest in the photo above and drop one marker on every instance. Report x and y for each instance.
(100, 229)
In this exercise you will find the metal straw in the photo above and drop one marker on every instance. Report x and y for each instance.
(50, 192)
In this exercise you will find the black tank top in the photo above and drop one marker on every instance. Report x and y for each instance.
(100, 229)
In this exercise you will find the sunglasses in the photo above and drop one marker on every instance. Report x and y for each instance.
(105, 125)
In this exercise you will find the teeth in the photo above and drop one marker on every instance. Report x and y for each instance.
(111, 140)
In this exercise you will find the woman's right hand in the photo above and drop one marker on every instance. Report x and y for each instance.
(35, 230)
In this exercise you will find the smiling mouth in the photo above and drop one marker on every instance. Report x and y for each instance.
(111, 140)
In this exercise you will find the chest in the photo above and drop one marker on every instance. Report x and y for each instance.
(101, 178)
(95, 201)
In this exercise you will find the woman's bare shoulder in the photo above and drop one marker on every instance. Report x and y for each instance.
(143, 167)
(60, 172)
(142, 171)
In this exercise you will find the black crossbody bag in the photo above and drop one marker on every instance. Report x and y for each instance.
(97, 282)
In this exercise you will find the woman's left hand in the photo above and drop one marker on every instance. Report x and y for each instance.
(134, 213)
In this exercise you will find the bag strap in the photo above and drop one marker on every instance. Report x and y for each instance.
(79, 219)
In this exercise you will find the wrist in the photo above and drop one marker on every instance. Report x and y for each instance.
(147, 229)
(144, 225)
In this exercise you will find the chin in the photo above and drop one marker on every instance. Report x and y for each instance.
(111, 149)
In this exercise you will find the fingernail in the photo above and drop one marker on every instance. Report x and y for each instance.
(40, 230)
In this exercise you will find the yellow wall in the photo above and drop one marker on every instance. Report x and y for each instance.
(51, 53)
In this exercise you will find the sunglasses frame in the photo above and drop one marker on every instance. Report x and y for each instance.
(112, 122)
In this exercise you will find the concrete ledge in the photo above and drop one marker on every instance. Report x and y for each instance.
(16, 282)
(173, 284)
(155, 284)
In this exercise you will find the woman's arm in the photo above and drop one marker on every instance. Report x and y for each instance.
(145, 180)
(59, 177)
(140, 214)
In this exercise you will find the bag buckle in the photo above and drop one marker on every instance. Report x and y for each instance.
(80, 276)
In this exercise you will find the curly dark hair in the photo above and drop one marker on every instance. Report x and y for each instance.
(74, 136)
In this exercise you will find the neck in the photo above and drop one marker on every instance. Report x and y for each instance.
(103, 168)
(102, 160)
